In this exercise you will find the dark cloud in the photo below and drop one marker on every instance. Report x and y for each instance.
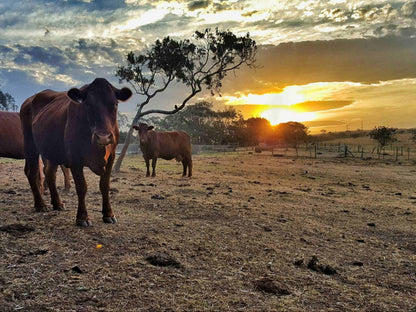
(357, 60)
(51, 56)
(93, 5)
(199, 4)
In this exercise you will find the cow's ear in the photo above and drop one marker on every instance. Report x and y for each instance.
(123, 94)
(76, 95)
(136, 127)
(150, 128)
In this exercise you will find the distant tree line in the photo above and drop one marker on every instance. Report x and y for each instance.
(207, 126)
(7, 102)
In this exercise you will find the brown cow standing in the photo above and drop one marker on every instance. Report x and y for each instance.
(76, 128)
(166, 145)
(11, 141)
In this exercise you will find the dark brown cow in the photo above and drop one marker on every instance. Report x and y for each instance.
(166, 145)
(11, 136)
(11, 141)
(76, 128)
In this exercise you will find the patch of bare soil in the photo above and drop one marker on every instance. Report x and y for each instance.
(248, 232)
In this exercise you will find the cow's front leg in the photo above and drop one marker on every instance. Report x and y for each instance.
(154, 167)
(108, 215)
(147, 167)
(81, 188)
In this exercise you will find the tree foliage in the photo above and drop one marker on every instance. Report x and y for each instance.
(292, 132)
(7, 102)
(383, 135)
(206, 126)
(198, 63)
(203, 124)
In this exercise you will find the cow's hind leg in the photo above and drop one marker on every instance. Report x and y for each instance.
(67, 177)
(32, 168)
(184, 164)
(108, 215)
(50, 177)
(81, 188)
(189, 162)
(154, 167)
(32, 172)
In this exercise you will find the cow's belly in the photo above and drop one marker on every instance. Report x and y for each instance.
(48, 135)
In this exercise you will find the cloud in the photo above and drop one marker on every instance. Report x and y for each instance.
(316, 106)
(299, 63)
(200, 4)
(409, 9)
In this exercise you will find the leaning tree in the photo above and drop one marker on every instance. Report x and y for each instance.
(198, 63)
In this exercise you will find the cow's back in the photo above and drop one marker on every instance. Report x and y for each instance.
(11, 136)
(45, 115)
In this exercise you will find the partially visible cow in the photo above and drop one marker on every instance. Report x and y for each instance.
(76, 128)
(11, 141)
(166, 145)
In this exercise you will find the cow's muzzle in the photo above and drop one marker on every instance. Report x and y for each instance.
(103, 139)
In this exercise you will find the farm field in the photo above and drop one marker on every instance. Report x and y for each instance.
(248, 232)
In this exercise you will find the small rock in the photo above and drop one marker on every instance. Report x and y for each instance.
(159, 197)
(162, 259)
(298, 262)
(38, 252)
(325, 269)
(17, 229)
(268, 286)
(77, 269)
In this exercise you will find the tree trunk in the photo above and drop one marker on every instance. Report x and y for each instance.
(120, 158)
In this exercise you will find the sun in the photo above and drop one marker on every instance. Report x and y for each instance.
(280, 115)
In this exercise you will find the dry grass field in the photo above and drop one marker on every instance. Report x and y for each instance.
(249, 232)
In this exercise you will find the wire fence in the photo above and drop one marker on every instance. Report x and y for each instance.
(323, 150)
(315, 150)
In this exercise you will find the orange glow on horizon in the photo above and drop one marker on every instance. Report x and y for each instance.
(272, 106)
(280, 115)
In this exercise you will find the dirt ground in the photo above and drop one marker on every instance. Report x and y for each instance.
(249, 232)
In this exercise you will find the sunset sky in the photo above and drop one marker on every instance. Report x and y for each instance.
(334, 64)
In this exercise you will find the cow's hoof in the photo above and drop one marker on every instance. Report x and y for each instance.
(59, 207)
(41, 209)
(84, 223)
(112, 220)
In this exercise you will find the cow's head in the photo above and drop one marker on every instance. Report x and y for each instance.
(100, 99)
(143, 129)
